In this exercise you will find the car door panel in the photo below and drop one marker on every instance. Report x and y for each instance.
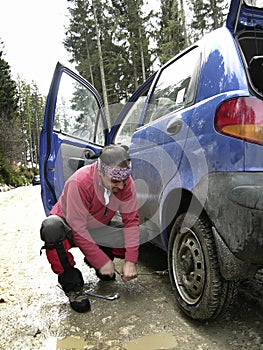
(74, 131)
(156, 158)
(157, 147)
(71, 157)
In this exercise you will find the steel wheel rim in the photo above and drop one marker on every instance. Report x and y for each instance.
(188, 266)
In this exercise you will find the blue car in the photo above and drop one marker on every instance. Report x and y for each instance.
(195, 134)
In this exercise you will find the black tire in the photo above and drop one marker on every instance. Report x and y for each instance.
(199, 288)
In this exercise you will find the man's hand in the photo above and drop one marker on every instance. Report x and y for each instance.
(107, 269)
(129, 271)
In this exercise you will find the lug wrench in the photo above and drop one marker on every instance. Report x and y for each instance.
(106, 297)
(159, 273)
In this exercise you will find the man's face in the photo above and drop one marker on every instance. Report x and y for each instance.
(113, 185)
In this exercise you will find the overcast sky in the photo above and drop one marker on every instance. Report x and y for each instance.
(33, 32)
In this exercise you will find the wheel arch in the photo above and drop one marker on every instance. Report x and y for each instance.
(178, 201)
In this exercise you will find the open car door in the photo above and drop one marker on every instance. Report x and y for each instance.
(244, 14)
(74, 131)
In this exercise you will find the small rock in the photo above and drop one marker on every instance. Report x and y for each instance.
(126, 330)
(105, 319)
(97, 334)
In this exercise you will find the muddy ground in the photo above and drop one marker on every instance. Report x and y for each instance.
(35, 314)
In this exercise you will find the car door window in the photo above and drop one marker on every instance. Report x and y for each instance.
(130, 122)
(174, 88)
(77, 112)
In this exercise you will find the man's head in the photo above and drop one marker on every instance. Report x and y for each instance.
(114, 166)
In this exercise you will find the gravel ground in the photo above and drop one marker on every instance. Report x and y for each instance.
(35, 314)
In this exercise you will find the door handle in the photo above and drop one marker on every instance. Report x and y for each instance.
(89, 154)
(174, 126)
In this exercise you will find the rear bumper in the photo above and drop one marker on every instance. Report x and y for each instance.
(234, 204)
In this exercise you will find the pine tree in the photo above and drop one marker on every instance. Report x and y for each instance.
(37, 118)
(24, 110)
(31, 115)
(10, 137)
(86, 42)
(81, 41)
(207, 16)
(109, 44)
(172, 37)
(131, 33)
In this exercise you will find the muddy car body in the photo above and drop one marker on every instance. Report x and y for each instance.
(195, 132)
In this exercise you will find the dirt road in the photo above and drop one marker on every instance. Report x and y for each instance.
(35, 314)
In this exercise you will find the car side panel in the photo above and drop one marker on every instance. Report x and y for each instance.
(212, 167)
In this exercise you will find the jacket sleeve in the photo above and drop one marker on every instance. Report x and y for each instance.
(76, 214)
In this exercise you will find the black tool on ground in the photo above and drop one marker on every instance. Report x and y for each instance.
(106, 297)
(159, 273)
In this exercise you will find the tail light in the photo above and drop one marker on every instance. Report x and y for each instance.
(241, 118)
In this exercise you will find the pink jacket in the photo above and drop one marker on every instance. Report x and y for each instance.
(82, 204)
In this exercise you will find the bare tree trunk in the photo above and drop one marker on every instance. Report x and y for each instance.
(90, 67)
(142, 56)
(103, 81)
(184, 22)
(37, 139)
(135, 75)
(214, 14)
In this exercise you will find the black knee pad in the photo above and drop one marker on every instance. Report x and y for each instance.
(54, 229)
(71, 280)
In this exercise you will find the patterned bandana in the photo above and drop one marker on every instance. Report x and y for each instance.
(119, 174)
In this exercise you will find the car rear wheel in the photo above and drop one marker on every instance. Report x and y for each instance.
(200, 290)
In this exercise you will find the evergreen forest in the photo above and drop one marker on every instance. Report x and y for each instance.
(114, 44)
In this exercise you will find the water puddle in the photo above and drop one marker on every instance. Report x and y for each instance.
(153, 342)
(71, 343)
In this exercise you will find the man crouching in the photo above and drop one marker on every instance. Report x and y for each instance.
(82, 217)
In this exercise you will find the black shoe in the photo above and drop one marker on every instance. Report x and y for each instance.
(78, 301)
